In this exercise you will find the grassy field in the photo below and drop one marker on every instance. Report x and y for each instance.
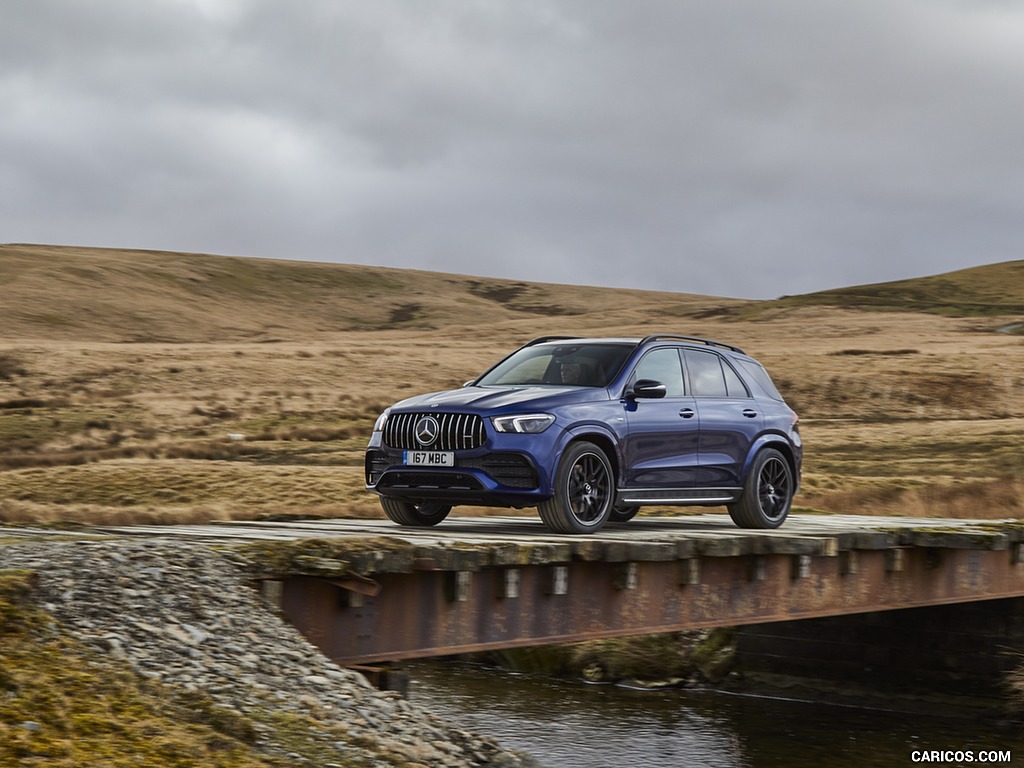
(159, 387)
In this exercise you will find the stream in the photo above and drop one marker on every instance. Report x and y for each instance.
(569, 724)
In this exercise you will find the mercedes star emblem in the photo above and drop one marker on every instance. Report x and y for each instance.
(427, 430)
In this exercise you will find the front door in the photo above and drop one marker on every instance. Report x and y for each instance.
(661, 448)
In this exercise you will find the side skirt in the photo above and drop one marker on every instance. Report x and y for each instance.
(678, 496)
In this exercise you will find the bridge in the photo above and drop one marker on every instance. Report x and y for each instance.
(386, 593)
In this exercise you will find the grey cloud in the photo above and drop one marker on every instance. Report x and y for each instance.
(736, 148)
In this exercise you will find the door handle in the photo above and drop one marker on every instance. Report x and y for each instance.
(686, 413)
(749, 413)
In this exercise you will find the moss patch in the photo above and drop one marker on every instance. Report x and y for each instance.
(715, 654)
(63, 706)
(327, 557)
(661, 658)
(672, 658)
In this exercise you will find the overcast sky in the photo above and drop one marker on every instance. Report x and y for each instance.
(729, 147)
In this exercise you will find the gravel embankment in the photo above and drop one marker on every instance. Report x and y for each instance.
(183, 614)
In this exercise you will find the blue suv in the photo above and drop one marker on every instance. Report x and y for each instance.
(590, 430)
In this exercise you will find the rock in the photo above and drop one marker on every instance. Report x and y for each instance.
(147, 627)
(201, 628)
(197, 635)
(179, 635)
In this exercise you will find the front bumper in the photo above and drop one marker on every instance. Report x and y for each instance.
(500, 478)
(502, 469)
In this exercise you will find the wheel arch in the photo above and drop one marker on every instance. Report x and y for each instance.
(779, 443)
(603, 441)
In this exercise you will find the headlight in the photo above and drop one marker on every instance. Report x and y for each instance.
(378, 425)
(529, 424)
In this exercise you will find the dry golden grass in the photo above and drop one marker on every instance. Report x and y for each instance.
(127, 377)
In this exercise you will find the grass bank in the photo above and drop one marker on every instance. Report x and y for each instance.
(64, 706)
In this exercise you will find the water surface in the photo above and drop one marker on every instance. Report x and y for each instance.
(567, 724)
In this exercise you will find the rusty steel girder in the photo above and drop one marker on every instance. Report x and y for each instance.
(432, 612)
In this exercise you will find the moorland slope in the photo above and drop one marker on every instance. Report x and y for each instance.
(994, 290)
(153, 386)
(63, 293)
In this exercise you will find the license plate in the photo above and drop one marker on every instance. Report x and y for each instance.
(429, 458)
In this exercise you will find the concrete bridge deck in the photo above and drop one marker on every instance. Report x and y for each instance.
(713, 532)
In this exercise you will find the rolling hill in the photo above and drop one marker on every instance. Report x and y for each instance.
(54, 292)
(70, 293)
(991, 290)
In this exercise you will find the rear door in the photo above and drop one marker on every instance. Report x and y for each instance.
(730, 419)
(662, 441)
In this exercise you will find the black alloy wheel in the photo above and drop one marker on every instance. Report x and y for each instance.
(773, 488)
(584, 491)
(767, 493)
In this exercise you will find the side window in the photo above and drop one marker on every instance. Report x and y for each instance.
(706, 375)
(760, 375)
(662, 365)
(733, 383)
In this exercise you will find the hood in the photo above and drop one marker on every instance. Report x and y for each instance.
(497, 400)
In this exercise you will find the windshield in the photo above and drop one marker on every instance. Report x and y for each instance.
(562, 365)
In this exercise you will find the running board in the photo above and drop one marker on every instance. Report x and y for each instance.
(678, 496)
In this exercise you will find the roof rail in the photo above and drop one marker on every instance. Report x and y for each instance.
(542, 339)
(698, 339)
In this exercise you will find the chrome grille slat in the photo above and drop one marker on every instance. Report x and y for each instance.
(458, 431)
(444, 438)
(461, 423)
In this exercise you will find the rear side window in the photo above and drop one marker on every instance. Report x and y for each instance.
(711, 376)
(706, 376)
(757, 372)
(733, 382)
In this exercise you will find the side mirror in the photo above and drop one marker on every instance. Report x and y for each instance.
(647, 389)
(469, 383)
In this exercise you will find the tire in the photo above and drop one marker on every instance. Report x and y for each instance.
(584, 491)
(623, 513)
(767, 492)
(407, 513)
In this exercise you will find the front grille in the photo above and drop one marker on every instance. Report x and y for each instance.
(456, 431)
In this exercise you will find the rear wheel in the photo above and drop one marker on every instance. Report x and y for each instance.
(407, 513)
(584, 491)
(767, 492)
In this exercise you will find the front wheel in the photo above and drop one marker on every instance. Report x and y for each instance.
(407, 513)
(767, 492)
(584, 491)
